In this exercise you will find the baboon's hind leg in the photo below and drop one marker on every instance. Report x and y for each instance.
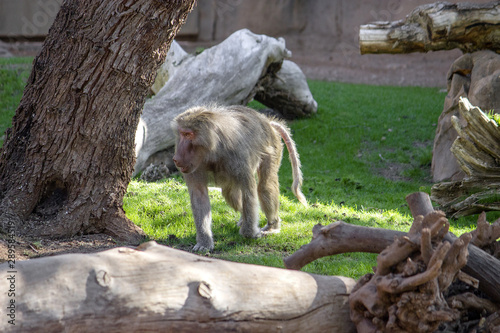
(233, 197)
(269, 192)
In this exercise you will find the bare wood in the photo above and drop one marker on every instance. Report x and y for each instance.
(407, 284)
(341, 237)
(471, 301)
(478, 154)
(158, 289)
(419, 203)
(438, 26)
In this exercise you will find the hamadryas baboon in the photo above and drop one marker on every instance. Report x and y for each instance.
(230, 145)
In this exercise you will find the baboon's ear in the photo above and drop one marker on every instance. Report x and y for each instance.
(187, 134)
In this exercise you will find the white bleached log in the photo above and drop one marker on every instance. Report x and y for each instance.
(158, 289)
(232, 72)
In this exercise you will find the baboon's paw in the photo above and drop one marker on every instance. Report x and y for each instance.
(267, 230)
(253, 233)
(202, 248)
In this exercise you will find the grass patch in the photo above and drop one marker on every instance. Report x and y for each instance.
(14, 73)
(365, 150)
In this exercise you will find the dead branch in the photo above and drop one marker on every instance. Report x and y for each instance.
(432, 27)
(341, 237)
(400, 295)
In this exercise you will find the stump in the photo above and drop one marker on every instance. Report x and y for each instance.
(476, 77)
(478, 154)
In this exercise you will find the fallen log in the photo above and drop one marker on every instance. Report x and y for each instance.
(154, 288)
(478, 154)
(341, 237)
(438, 26)
(242, 67)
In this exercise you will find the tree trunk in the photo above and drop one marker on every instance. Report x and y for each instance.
(158, 289)
(438, 26)
(69, 155)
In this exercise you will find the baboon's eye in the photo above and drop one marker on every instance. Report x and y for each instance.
(186, 134)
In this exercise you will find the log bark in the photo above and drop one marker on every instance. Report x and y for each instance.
(478, 154)
(68, 158)
(158, 289)
(439, 26)
(341, 237)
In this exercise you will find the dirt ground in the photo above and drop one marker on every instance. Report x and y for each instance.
(415, 69)
(427, 70)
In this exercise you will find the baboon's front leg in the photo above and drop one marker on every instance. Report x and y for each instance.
(200, 204)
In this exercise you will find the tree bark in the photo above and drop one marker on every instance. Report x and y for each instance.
(433, 27)
(69, 155)
(340, 237)
(158, 289)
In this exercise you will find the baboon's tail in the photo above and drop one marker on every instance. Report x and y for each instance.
(294, 159)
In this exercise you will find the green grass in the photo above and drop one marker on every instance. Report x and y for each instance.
(13, 75)
(365, 150)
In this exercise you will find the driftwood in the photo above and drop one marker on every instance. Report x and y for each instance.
(341, 237)
(478, 154)
(438, 26)
(158, 289)
(406, 292)
(243, 67)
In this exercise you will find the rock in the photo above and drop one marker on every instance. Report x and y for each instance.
(155, 172)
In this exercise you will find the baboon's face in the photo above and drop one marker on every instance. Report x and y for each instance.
(188, 156)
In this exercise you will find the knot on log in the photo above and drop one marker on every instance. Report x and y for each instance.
(204, 290)
(103, 278)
